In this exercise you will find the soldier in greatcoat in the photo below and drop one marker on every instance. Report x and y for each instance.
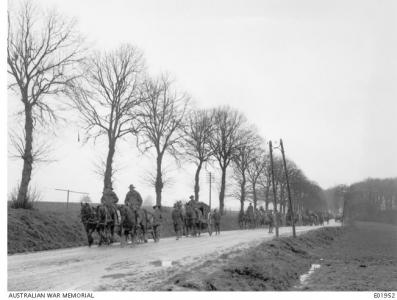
(133, 199)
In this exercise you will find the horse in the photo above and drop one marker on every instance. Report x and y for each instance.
(89, 220)
(257, 218)
(144, 225)
(201, 219)
(250, 219)
(243, 220)
(128, 223)
(107, 219)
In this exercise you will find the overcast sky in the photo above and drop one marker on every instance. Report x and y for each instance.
(319, 74)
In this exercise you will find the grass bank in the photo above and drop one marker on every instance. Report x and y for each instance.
(272, 265)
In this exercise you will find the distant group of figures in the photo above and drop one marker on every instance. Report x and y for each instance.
(259, 218)
(131, 221)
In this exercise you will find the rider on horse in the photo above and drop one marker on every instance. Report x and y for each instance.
(110, 199)
(133, 199)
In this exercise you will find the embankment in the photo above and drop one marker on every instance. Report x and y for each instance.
(274, 265)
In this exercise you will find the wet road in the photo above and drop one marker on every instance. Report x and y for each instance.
(133, 267)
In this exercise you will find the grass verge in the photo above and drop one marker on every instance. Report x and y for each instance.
(272, 265)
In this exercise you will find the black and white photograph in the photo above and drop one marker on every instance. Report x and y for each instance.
(184, 146)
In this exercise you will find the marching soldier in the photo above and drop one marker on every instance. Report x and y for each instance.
(157, 218)
(217, 221)
(133, 199)
(250, 215)
(271, 221)
(177, 219)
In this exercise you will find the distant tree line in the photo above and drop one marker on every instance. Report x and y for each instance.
(117, 99)
(370, 199)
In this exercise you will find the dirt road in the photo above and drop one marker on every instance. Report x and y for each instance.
(115, 268)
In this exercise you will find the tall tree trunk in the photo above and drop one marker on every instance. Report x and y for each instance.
(267, 198)
(222, 192)
(242, 193)
(27, 158)
(197, 181)
(254, 194)
(159, 180)
(107, 181)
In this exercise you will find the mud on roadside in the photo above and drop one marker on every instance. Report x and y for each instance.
(272, 265)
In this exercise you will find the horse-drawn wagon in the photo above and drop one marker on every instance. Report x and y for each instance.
(197, 218)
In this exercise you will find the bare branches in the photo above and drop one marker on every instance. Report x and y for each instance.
(161, 116)
(108, 97)
(160, 123)
(226, 138)
(41, 51)
(225, 141)
(197, 135)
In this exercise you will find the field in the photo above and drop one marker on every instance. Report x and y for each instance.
(50, 225)
(362, 257)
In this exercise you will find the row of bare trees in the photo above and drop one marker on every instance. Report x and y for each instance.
(117, 99)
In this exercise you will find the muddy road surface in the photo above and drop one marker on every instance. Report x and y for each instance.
(132, 267)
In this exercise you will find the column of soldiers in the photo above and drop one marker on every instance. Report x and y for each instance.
(133, 199)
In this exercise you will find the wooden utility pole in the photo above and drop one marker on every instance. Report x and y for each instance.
(68, 193)
(274, 188)
(291, 209)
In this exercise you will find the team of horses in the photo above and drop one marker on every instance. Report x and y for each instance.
(136, 225)
(122, 220)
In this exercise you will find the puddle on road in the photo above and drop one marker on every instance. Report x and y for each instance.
(162, 263)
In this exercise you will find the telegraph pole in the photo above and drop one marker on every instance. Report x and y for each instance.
(289, 191)
(68, 193)
(210, 187)
(274, 188)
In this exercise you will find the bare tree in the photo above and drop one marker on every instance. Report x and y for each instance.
(225, 142)
(41, 148)
(160, 123)
(265, 180)
(242, 159)
(108, 98)
(197, 135)
(256, 167)
(41, 51)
